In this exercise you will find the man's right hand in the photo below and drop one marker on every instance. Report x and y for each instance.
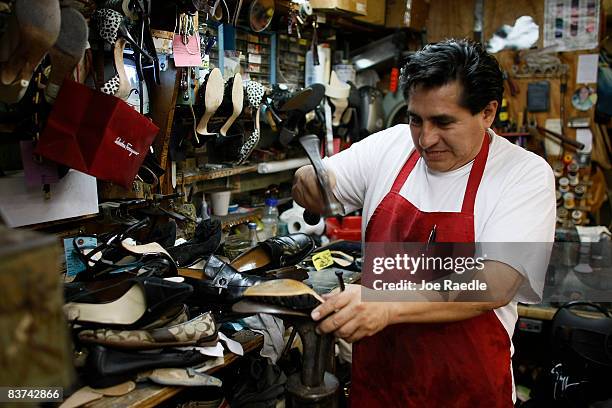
(306, 190)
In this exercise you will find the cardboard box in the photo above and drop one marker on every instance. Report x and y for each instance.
(376, 13)
(355, 7)
(407, 13)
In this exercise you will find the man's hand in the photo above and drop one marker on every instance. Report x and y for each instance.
(345, 315)
(306, 190)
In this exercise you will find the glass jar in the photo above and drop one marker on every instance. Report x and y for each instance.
(235, 245)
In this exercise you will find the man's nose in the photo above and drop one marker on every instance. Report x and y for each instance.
(429, 136)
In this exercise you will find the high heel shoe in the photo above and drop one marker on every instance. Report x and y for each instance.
(38, 28)
(112, 29)
(213, 96)
(67, 51)
(234, 96)
(255, 93)
(118, 85)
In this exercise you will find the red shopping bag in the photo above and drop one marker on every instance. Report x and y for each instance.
(97, 134)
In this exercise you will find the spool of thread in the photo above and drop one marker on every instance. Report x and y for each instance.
(568, 201)
(573, 181)
(572, 169)
(577, 217)
(567, 159)
(564, 185)
(572, 173)
(559, 198)
(562, 215)
(579, 191)
(558, 169)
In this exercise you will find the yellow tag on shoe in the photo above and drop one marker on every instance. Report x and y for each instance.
(322, 260)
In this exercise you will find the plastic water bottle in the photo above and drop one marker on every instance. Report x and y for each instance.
(270, 219)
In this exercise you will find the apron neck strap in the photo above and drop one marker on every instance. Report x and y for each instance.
(469, 198)
(405, 171)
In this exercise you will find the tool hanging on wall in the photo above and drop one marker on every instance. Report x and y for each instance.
(186, 27)
(538, 96)
(292, 20)
(314, 45)
(563, 89)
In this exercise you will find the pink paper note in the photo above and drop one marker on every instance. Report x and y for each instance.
(186, 55)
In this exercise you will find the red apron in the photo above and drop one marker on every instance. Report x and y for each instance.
(458, 364)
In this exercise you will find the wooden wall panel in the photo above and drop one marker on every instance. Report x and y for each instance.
(519, 102)
(500, 12)
(450, 18)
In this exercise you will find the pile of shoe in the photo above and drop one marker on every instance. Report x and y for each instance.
(129, 300)
(130, 308)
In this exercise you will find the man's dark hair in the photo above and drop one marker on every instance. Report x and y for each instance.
(477, 72)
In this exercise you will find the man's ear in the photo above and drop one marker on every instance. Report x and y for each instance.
(488, 113)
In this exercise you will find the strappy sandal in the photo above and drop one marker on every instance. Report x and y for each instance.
(112, 256)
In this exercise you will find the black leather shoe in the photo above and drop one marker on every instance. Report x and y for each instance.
(110, 286)
(106, 367)
(205, 241)
(274, 253)
(221, 283)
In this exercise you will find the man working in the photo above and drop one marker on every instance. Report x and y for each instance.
(445, 171)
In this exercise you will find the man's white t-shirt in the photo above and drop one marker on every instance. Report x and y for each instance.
(515, 201)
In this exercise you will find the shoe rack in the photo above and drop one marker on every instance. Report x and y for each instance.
(292, 60)
(257, 52)
(255, 55)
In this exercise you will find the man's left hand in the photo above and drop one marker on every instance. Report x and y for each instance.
(345, 315)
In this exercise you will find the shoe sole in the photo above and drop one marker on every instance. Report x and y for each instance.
(251, 307)
(237, 102)
(213, 96)
(287, 293)
(67, 51)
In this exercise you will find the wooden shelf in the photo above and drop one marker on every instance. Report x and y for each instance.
(216, 174)
(150, 395)
(547, 312)
(514, 134)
